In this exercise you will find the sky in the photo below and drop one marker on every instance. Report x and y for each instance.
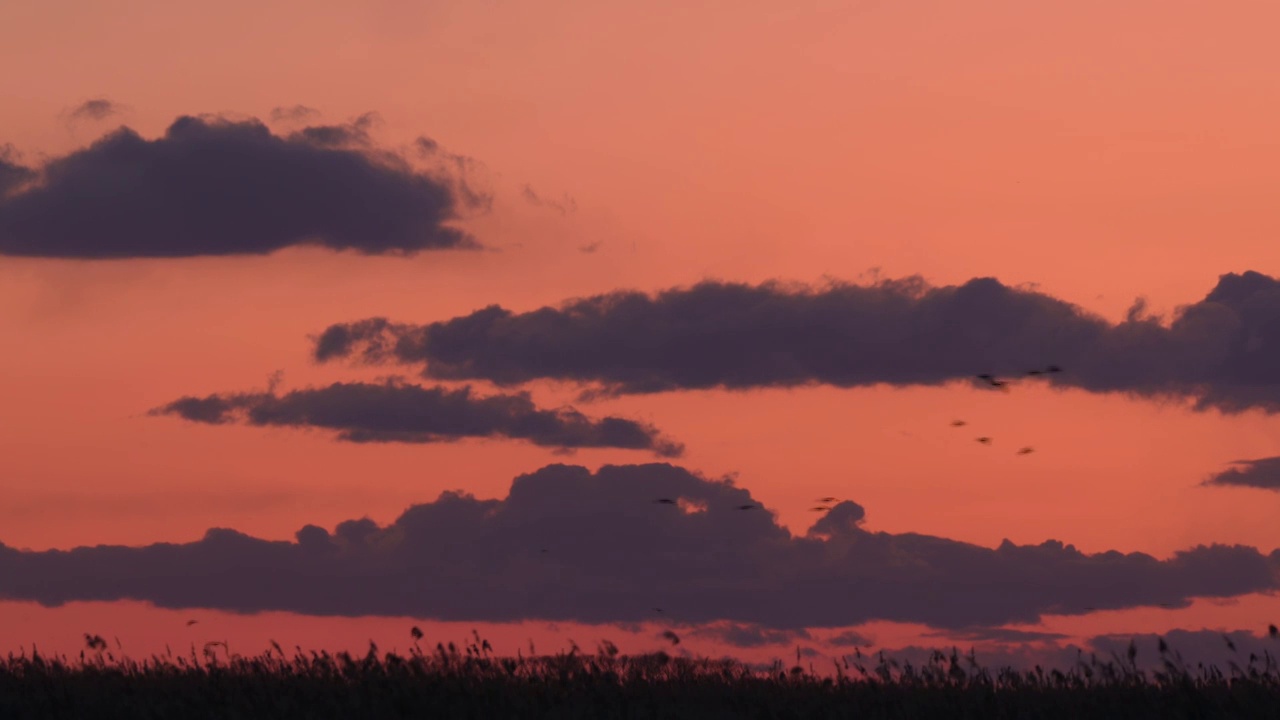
(329, 319)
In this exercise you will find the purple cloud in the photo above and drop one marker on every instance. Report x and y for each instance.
(212, 186)
(569, 544)
(400, 412)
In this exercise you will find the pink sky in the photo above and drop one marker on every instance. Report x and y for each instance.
(1097, 152)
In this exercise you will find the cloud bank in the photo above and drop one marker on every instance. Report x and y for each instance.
(400, 412)
(570, 544)
(1223, 351)
(213, 186)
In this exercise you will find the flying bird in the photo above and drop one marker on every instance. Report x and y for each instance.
(416, 632)
(1053, 369)
(820, 508)
(984, 440)
(665, 501)
(827, 500)
(958, 423)
(748, 507)
(1026, 450)
(192, 622)
(674, 638)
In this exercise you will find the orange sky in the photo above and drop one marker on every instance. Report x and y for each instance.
(1102, 152)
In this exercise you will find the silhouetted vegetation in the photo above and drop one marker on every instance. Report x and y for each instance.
(471, 682)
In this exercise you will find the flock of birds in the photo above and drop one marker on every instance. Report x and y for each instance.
(988, 378)
(996, 382)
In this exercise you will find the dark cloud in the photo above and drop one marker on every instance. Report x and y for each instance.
(293, 113)
(399, 412)
(998, 634)
(1262, 473)
(12, 174)
(354, 133)
(1193, 646)
(748, 636)
(1224, 350)
(1186, 647)
(96, 109)
(613, 554)
(469, 176)
(564, 205)
(850, 638)
(992, 656)
(211, 186)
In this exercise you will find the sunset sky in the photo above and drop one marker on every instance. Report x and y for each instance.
(322, 320)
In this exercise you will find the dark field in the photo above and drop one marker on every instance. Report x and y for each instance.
(468, 683)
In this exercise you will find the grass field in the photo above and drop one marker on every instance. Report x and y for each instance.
(469, 682)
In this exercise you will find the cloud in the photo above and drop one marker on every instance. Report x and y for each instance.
(999, 634)
(354, 133)
(470, 181)
(400, 412)
(748, 636)
(96, 109)
(1262, 473)
(850, 638)
(212, 186)
(564, 206)
(1206, 646)
(613, 554)
(1186, 647)
(1223, 351)
(12, 174)
(293, 113)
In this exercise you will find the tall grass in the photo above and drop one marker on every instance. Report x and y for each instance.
(470, 682)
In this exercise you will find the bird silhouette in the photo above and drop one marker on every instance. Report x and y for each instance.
(1026, 451)
(820, 508)
(748, 507)
(657, 609)
(827, 500)
(674, 638)
(192, 622)
(1035, 372)
(958, 423)
(665, 501)
(984, 440)
(416, 632)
